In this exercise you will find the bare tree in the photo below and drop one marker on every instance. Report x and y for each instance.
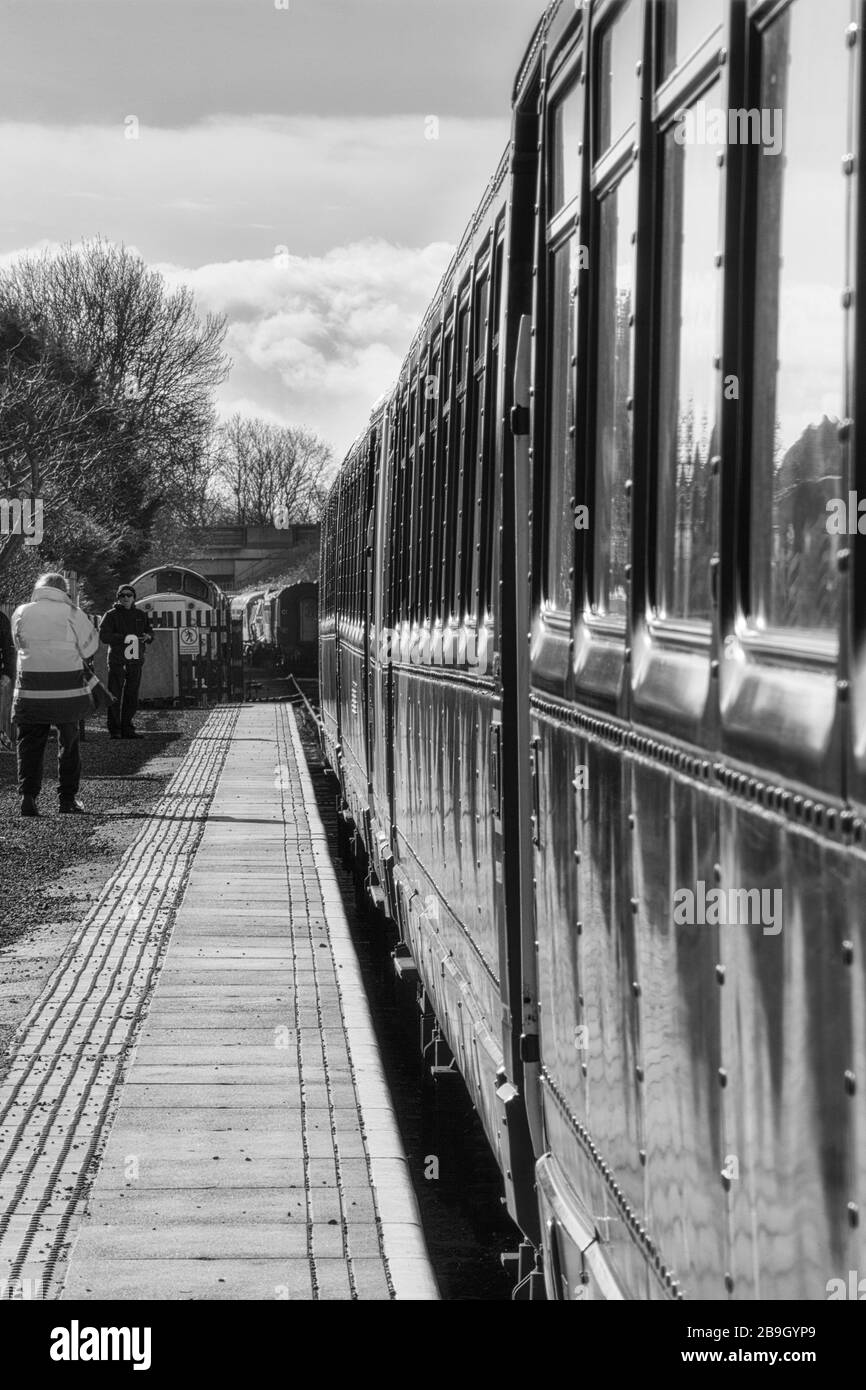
(272, 474)
(106, 401)
(147, 348)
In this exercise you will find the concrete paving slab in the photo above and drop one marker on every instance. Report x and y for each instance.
(223, 1240)
(133, 1206)
(209, 1280)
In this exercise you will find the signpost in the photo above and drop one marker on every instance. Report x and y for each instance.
(193, 641)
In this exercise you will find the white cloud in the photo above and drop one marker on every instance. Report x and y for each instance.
(317, 339)
(322, 239)
(235, 188)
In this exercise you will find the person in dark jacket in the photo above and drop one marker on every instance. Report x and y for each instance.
(126, 631)
(8, 664)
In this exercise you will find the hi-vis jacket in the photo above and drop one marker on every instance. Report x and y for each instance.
(53, 638)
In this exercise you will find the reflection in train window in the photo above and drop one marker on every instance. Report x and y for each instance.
(560, 451)
(685, 26)
(688, 441)
(443, 500)
(620, 52)
(567, 134)
(482, 306)
(613, 364)
(798, 357)
(490, 518)
(462, 447)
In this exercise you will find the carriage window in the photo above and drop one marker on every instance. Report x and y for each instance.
(497, 293)
(613, 442)
(442, 529)
(687, 442)
(433, 392)
(399, 543)
(462, 343)
(620, 52)
(482, 305)
(477, 482)
(560, 541)
(396, 483)
(197, 588)
(478, 492)
(565, 160)
(170, 581)
(490, 518)
(685, 26)
(445, 527)
(462, 457)
(798, 360)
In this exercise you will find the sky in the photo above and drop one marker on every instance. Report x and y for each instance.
(305, 166)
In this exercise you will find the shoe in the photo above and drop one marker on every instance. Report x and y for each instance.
(71, 808)
(112, 734)
(28, 806)
(130, 733)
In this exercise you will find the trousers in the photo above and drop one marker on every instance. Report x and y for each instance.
(124, 681)
(32, 739)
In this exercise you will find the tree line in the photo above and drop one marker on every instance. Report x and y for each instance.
(107, 413)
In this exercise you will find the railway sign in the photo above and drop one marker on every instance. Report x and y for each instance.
(190, 641)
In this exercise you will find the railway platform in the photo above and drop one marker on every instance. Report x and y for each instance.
(197, 1109)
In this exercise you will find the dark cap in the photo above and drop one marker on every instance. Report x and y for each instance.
(125, 589)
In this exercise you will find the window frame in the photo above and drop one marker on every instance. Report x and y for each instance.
(487, 602)
(446, 451)
(601, 643)
(477, 485)
(552, 637)
(559, 228)
(672, 680)
(781, 704)
(460, 426)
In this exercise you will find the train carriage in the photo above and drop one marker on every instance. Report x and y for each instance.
(253, 610)
(294, 616)
(591, 652)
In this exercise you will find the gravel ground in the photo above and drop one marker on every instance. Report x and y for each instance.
(53, 868)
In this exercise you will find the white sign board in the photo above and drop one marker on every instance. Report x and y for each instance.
(192, 640)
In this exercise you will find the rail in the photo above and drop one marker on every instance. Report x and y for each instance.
(309, 708)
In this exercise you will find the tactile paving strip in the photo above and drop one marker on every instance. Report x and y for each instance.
(72, 1049)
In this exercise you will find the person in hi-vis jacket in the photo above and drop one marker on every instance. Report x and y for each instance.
(126, 631)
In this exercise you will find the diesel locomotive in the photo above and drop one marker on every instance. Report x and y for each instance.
(593, 663)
